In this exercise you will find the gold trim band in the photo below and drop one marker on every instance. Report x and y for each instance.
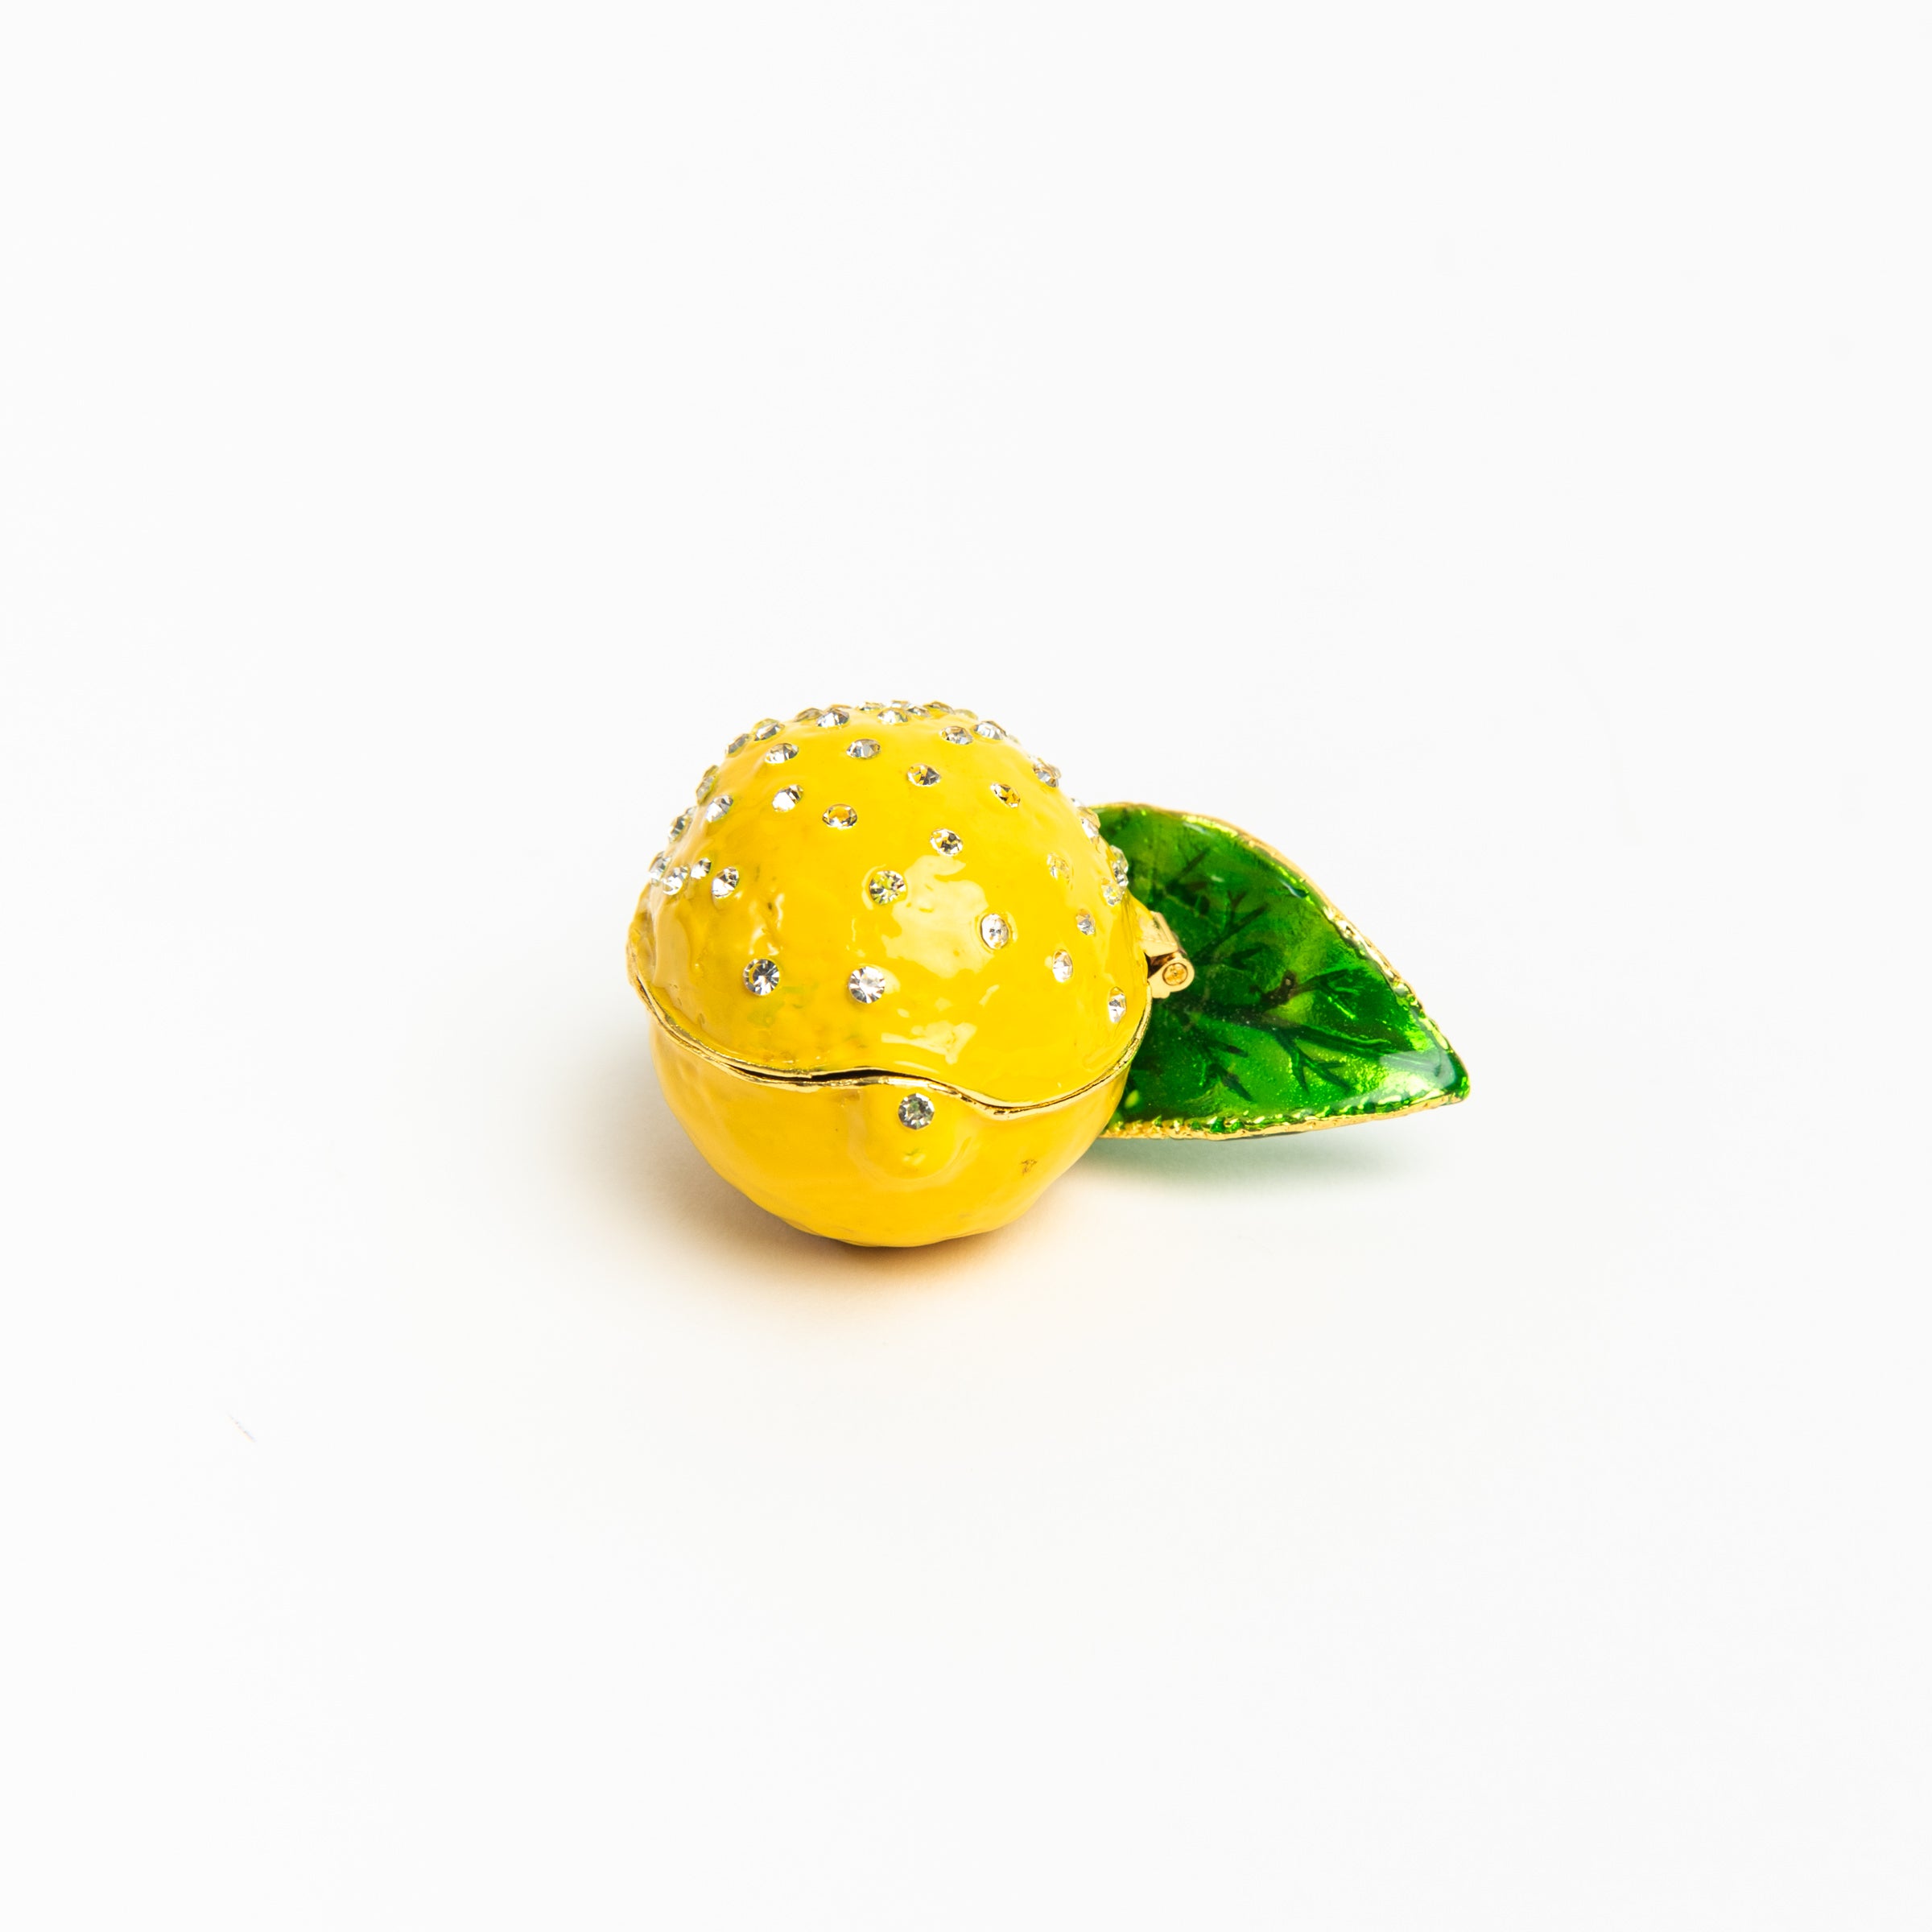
(873, 1076)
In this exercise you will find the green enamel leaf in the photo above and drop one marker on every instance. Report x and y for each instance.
(1293, 1020)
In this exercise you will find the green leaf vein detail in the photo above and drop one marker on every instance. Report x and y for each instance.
(1293, 1021)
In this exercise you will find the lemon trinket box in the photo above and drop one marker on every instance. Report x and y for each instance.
(901, 981)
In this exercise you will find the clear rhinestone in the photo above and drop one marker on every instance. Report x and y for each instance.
(717, 808)
(766, 727)
(838, 715)
(937, 709)
(806, 715)
(785, 797)
(762, 976)
(1047, 775)
(891, 716)
(1060, 965)
(863, 748)
(915, 710)
(915, 1110)
(1058, 866)
(725, 884)
(673, 882)
(1110, 892)
(841, 818)
(680, 824)
(656, 871)
(1091, 826)
(700, 869)
(988, 730)
(923, 775)
(737, 745)
(1084, 920)
(1117, 1005)
(994, 931)
(705, 784)
(866, 985)
(1118, 860)
(948, 844)
(957, 734)
(1004, 793)
(782, 754)
(885, 885)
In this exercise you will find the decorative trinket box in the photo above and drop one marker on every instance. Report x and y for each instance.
(902, 981)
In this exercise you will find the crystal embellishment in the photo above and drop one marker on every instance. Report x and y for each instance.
(737, 745)
(957, 734)
(680, 824)
(1084, 920)
(841, 818)
(725, 884)
(1004, 793)
(885, 885)
(988, 730)
(705, 784)
(700, 869)
(717, 808)
(863, 748)
(785, 797)
(923, 774)
(1058, 866)
(1116, 1006)
(762, 976)
(1060, 965)
(782, 754)
(673, 882)
(866, 985)
(916, 1111)
(830, 721)
(766, 727)
(994, 931)
(656, 871)
(1048, 775)
(948, 844)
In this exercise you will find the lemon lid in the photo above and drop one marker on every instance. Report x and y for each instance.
(900, 889)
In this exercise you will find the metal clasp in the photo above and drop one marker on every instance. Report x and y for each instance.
(1169, 969)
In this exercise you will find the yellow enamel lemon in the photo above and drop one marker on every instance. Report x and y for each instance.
(898, 977)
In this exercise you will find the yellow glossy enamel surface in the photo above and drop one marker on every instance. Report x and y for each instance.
(1016, 1040)
(837, 1161)
(991, 1021)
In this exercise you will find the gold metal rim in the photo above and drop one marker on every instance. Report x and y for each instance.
(873, 1076)
(1157, 1130)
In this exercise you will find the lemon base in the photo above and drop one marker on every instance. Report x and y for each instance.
(836, 1160)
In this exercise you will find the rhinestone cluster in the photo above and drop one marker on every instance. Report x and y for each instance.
(885, 885)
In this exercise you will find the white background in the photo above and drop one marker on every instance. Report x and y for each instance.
(1484, 450)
